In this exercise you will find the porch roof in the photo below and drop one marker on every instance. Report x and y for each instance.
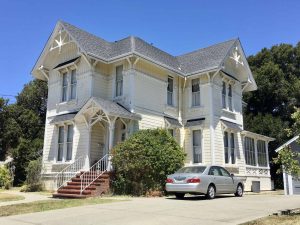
(63, 117)
(173, 122)
(194, 122)
(110, 108)
(231, 125)
(258, 136)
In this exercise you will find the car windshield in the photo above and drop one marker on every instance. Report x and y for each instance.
(192, 169)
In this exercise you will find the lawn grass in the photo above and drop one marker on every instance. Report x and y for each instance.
(5, 197)
(276, 220)
(39, 206)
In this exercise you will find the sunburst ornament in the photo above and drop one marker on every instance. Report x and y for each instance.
(237, 58)
(60, 41)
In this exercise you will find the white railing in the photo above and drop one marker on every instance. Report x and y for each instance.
(69, 172)
(88, 177)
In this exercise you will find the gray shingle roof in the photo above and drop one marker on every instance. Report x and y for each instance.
(197, 61)
(231, 125)
(63, 117)
(115, 109)
(173, 122)
(194, 122)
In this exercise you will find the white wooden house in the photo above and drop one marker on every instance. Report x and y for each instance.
(101, 92)
(291, 182)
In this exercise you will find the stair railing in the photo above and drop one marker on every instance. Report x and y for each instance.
(88, 177)
(69, 172)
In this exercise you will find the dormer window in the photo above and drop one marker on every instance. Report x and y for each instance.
(119, 81)
(69, 86)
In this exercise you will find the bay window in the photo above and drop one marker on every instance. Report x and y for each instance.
(262, 153)
(249, 151)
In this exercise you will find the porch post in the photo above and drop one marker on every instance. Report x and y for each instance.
(88, 152)
(111, 141)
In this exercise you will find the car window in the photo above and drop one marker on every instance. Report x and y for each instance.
(214, 171)
(224, 172)
(192, 169)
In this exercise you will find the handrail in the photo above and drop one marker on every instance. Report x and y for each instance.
(67, 173)
(88, 177)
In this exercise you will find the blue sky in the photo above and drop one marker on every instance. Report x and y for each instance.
(172, 25)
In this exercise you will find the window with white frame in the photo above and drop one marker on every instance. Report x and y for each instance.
(249, 151)
(64, 87)
(171, 132)
(65, 140)
(69, 86)
(73, 84)
(60, 150)
(123, 132)
(226, 147)
(119, 80)
(230, 97)
(69, 142)
(197, 150)
(170, 91)
(224, 95)
(196, 92)
(262, 153)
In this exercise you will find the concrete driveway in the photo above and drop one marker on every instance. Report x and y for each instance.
(156, 211)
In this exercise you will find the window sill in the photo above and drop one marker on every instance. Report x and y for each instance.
(70, 102)
(228, 111)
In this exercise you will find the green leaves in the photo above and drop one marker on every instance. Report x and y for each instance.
(289, 161)
(143, 161)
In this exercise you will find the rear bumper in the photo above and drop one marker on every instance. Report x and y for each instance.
(185, 188)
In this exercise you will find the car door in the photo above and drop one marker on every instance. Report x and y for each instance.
(217, 178)
(228, 182)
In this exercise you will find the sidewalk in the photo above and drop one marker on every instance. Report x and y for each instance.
(29, 197)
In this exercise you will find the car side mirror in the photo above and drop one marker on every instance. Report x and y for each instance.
(232, 175)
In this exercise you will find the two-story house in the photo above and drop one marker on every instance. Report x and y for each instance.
(100, 92)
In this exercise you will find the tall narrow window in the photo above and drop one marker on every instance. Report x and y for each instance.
(123, 132)
(262, 153)
(69, 142)
(226, 148)
(224, 95)
(249, 151)
(119, 81)
(170, 91)
(60, 150)
(171, 132)
(196, 92)
(73, 84)
(197, 151)
(232, 148)
(64, 87)
(230, 97)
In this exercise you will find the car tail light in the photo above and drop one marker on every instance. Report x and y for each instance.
(193, 180)
(169, 180)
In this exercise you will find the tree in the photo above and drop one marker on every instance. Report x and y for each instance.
(288, 161)
(143, 162)
(269, 109)
(22, 126)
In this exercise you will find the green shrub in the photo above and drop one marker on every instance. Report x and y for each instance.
(33, 177)
(5, 178)
(142, 162)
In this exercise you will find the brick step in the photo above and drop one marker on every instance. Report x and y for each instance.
(79, 183)
(93, 175)
(61, 195)
(73, 191)
(99, 180)
(78, 187)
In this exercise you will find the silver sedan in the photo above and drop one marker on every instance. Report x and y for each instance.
(207, 180)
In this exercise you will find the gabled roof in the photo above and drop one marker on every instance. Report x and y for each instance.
(289, 142)
(200, 60)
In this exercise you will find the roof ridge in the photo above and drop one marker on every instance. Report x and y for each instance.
(188, 53)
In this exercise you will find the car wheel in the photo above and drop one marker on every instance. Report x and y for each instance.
(179, 195)
(211, 192)
(239, 191)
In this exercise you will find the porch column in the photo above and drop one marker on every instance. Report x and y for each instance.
(111, 142)
(88, 151)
